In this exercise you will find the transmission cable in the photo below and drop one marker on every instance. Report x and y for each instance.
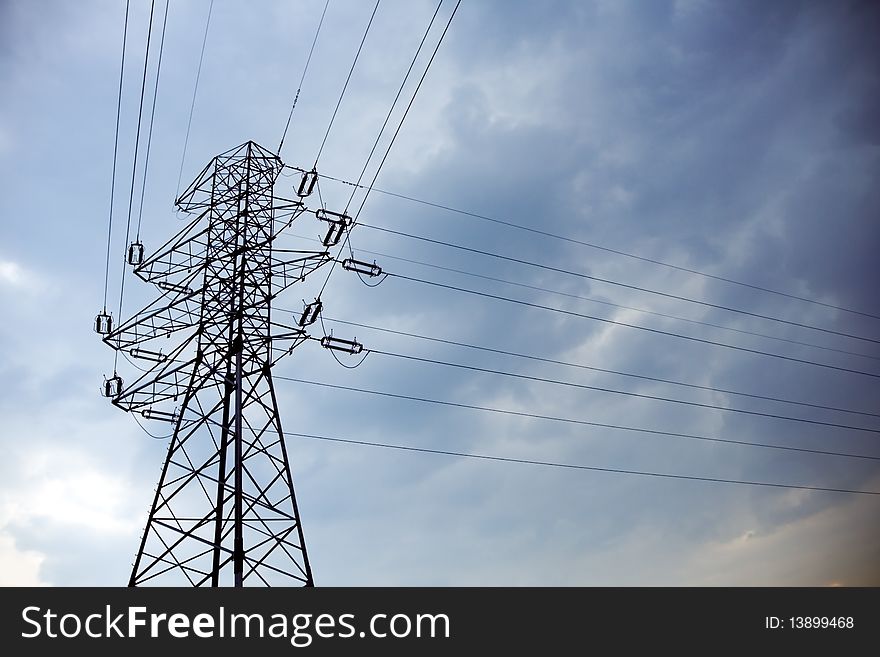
(379, 137)
(391, 143)
(573, 466)
(615, 391)
(393, 105)
(152, 121)
(151, 435)
(192, 106)
(592, 245)
(656, 331)
(617, 283)
(552, 361)
(115, 155)
(580, 297)
(538, 288)
(567, 420)
(303, 77)
(134, 165)
(386, 274)
(345, 86)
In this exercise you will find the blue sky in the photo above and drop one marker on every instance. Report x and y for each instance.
(739, 139)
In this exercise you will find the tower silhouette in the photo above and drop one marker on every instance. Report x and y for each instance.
(225, 511)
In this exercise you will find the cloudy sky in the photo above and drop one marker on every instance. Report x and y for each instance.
(740, 139)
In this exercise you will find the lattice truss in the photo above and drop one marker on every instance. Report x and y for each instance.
(224, 511)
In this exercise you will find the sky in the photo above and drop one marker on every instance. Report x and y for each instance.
(736, 139)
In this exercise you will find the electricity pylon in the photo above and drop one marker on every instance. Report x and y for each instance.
(224, 511)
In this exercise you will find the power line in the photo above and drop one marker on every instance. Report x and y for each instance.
(152, 121)
(192, 106)
(115, 154)
(626, 254)
(626, 393)
(393, 139)
(662, 332)
(134, 163)
(599, 369)
(691, 338)
(538, 288)
(566, 420)
(303, 77)
(618, 283)
(612, 304)
(151, 435)
(656, 379)
(405, 113)
(393, 104)
(345, 86)
(573, 466)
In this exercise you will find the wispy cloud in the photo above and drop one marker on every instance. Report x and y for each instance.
(11, 273)
(17, 567)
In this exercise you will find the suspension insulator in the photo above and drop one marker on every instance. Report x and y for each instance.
(153, 414)
(332, 217)
(334, 233)
(103, 323)
(338, 344)
(173, 287)
(350, 264)
(307, 184)
(146, 354)
(310, 313)
(112, 386)
(135, 253)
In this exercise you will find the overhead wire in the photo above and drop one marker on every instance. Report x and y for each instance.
(619, 252)
(115, 154)
(303, 77)
(391, 142)
(648, 329)
(150, 434)
(570, 295)
(345, 86)
(553, 361)
(152, 121)
(192, 106)
(626, 393)
(607, 281)
(382, 131)
(134, 165)
(575, 421)
(611, 304)
(393, 105)
(573, 466)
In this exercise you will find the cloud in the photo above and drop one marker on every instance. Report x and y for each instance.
(17, 567)
(59, 507)
(11, 273)
(63, 487)
(764, 558)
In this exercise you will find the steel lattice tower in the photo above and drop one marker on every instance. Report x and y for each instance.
(224, 511)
